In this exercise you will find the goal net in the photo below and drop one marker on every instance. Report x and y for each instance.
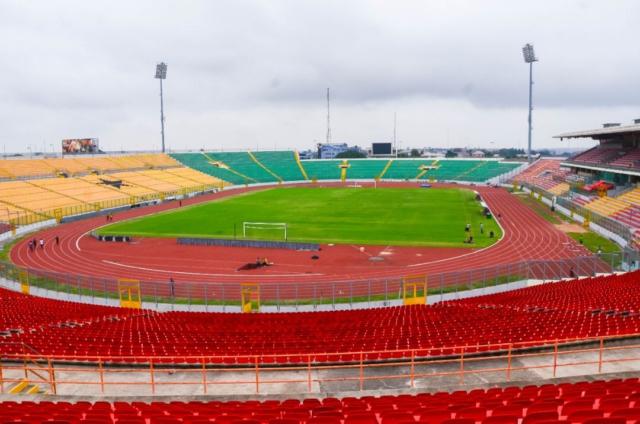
(265, 230)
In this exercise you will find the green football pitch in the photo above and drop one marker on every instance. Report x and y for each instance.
(383, 216)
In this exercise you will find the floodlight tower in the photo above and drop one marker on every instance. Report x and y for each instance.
(161, 74)
(529, 57)
(328, 117)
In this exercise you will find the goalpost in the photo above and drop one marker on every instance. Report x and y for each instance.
(248, 225)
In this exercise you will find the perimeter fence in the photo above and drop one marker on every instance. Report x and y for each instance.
(325, 295)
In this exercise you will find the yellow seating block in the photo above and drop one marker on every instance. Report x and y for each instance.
(559, 189)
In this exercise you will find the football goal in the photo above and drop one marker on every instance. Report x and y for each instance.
(264, 229)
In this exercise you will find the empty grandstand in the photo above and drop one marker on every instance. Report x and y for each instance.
(546, 174)
(600, 183)
(576, 309)
(615, 158)
(261, 167)
(20, 168)
(38, 189)
(592, 402)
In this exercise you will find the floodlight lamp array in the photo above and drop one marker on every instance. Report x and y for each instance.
(161, 71)
(529, 54)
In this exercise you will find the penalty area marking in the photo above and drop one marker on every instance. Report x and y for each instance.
(141, 268)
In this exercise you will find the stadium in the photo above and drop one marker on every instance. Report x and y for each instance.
(348, 286)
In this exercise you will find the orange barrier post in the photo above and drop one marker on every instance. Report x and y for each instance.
(101, 371)
(555, 357)
(361, 371)
(413, 357)
(600, 355)
(309, 373)
(257, 376)
(509, 362)
(204, 377)
(153, 379)
(462, 366)
(52, 376)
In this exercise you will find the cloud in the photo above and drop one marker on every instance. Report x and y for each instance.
(241, 72)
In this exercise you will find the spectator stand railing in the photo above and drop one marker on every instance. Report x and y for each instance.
(242, 374)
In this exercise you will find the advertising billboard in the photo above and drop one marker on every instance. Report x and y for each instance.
(80, 146)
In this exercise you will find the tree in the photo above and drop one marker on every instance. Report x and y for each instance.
(351, 154)
(451, 154)
(415, 153)
(510, 153)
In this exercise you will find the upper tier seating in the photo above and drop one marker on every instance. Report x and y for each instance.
(602, 306)
(629, 160)
(588, 402)
(29, 168)
(598, 155)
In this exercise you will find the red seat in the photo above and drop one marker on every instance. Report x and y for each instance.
(501, 419)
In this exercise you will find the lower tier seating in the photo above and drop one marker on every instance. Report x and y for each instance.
(545, 174)
(596, 402)
(594, 307)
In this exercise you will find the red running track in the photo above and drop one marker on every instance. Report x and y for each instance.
(526, 237)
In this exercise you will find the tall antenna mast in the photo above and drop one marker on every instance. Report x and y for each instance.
(328, 117)
(394, 134)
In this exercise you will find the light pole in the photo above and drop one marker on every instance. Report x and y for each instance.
(529, 57)
(161, 74)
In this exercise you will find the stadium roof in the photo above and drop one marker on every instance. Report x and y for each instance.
(601, 132)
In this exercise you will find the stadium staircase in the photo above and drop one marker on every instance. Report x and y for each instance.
(273, 174)
(242, 163)
(201, 162)
(221, 163)
(405, 169)
(470, 171)
(299, 163)
(282, 163)
(385, 169)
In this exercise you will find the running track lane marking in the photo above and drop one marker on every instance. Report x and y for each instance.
(200, 273)
(470, 253)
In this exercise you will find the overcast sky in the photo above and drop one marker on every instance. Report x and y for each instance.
(253, 74)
